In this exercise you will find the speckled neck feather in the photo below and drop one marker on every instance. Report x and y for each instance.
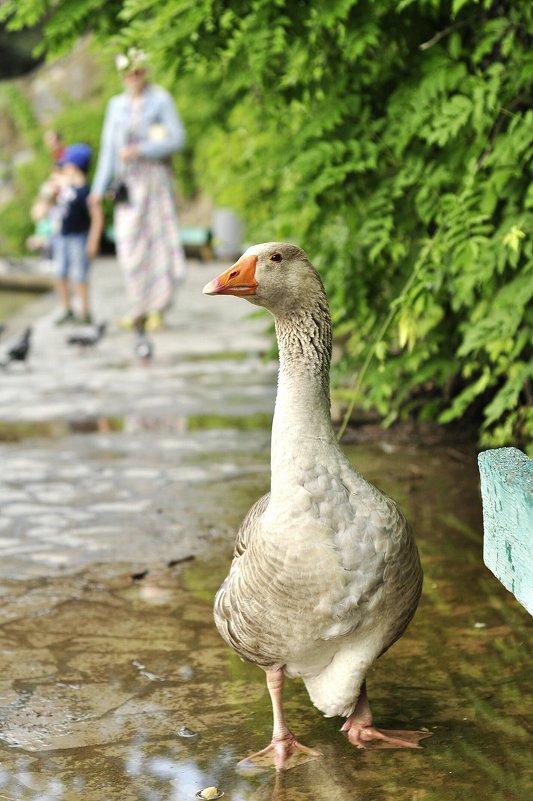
(304, 340)
(302, 414)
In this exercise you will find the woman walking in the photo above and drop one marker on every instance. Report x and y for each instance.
(141, 131)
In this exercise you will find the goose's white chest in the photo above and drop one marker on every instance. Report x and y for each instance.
(330, 516)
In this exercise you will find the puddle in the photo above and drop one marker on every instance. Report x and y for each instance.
(57, 429)
(99, 672)
(222, 356)
(251, 422)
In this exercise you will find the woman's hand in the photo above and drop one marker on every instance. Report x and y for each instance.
(94, 202)
(130, 153)
(96, 212)
(93, 245)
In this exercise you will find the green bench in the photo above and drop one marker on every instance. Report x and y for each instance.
(197, 241)
(507, 495)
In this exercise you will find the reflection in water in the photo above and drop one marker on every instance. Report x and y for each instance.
(160, 422)
(99, 673)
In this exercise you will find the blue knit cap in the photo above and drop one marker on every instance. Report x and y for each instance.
(78, 154)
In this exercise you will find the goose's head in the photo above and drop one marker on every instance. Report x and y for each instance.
(276, 275)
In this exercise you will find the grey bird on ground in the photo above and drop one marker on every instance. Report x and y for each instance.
(144, 349)
(87, 337)
(18, 348)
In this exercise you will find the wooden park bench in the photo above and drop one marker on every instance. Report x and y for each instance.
(197, 242)
(507, 495)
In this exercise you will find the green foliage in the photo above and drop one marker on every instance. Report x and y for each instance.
(393, 140)
(15, 222)
(15, 103)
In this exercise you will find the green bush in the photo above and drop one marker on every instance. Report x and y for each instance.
(15, 221)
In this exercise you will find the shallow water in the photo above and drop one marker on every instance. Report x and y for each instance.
(99, 671)
(54, 429)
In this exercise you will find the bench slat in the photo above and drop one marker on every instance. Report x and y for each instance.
(507, 495)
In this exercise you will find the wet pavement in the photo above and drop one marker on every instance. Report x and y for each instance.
(121, 487)
(103, 457)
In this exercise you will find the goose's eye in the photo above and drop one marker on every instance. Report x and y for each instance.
(276, 257)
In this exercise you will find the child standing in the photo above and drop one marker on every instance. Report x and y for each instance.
(79, 233)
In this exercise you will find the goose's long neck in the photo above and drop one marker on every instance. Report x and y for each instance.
(302, 418)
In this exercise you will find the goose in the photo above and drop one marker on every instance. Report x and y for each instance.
(325, 575)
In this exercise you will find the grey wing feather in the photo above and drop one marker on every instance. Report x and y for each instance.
(247, 525)
(226, 612)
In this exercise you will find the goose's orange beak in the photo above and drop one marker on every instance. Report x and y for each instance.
(239, 279)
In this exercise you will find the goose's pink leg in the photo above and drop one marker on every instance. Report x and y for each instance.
(361, 732)
(283, 742)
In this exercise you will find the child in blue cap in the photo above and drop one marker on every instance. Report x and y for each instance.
(79, 233)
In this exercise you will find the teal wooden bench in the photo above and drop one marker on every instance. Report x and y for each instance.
(197, 241)
(507, 495)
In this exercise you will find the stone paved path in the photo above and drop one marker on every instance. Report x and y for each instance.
(109, 459)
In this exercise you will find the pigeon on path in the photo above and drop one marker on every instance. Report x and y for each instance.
(87, 337)
(144, 349)
(18, 348)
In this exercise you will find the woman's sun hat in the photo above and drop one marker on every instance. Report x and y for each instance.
(132, 59)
